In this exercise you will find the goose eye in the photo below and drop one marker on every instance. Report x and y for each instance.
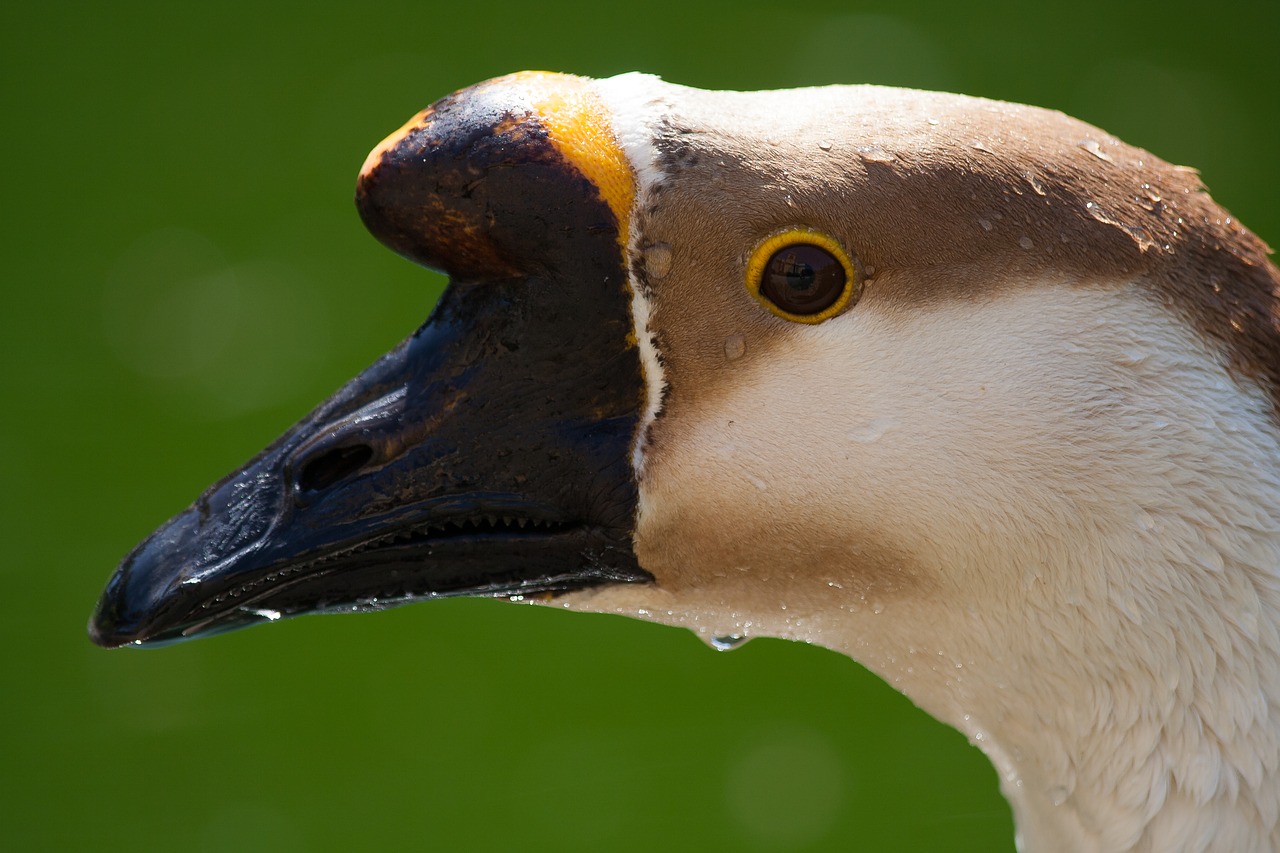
(803, 279)
(803, 276)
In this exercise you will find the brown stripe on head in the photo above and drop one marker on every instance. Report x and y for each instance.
(939, 197)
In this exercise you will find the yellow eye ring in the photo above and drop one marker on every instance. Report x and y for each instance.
(803, 275)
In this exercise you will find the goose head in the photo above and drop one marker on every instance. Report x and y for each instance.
(972, 392)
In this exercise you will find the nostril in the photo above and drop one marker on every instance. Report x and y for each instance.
(335, 465)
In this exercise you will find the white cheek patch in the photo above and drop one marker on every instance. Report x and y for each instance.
(636, 107)
(973, 441)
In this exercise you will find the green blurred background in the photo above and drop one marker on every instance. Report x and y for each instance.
(185, 275)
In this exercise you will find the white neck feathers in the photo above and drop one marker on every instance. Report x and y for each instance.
(1050, 518)
(1109, 585)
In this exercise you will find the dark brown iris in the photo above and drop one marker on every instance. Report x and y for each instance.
(803, 279)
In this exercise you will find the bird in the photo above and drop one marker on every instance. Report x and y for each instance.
(972, 392)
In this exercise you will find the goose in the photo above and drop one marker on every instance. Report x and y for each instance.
(971, 392)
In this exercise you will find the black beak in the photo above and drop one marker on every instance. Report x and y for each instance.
(488, 454)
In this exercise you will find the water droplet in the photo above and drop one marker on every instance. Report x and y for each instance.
(734, 347)
(727, 642)
(1058, 794)
(872, 430)
(932, 121)
(265, 613)
(1145, 520)
(657, 260)
(877, 607)
(1141, 237)
(757, 482)
(1025, 242)
(1150, 199)
(1137, 232)
(1092, 146)
(874, 154)
(1036, 186)
(986, 224)
(977, 145)
(824, 145)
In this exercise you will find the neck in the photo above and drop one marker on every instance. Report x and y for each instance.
(1115, 613)
(1118, 656)
(1165, 752)
(1100, 749)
